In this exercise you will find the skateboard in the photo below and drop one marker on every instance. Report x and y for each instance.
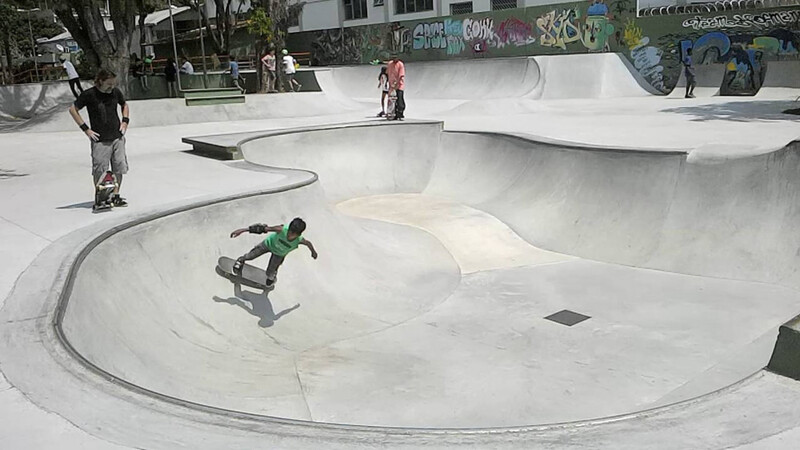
(102, 196)
(251, 276)
(390, 105)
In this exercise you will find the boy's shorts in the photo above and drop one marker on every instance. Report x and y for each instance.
(105, 153)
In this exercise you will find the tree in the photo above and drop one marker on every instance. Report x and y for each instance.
(16, 28)
(269, 22)
(101, 49)
(260, 25)
(144, 7)
(221, 34)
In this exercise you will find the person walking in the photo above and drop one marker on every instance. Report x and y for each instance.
(289, 69)
(107, 132)
(269, 69)
(688, 71)
(397, 82)
(171, 75)
(233, 68)
(72, 76)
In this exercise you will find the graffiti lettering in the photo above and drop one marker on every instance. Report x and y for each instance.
(401, 39)
(478, 29)
(515, 31)
(429, 35)
(456, 35)
(762, 20)
(558, 30)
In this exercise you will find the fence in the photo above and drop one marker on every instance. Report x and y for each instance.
(720, 6)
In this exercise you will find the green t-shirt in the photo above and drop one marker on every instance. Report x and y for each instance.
(279, 243)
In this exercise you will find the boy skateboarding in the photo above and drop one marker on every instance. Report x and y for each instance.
(282, 240)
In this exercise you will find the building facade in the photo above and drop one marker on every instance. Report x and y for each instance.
(327, 14)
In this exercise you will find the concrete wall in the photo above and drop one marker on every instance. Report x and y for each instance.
(319, 15)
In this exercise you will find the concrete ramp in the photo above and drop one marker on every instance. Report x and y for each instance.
(709, 79)
(594, 75)
(443, 260)
(782, 74)
(452, 80)
(26, 101)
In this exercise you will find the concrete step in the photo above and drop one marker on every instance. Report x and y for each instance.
(212, 92)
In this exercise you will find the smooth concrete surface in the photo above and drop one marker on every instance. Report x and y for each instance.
(57, 402)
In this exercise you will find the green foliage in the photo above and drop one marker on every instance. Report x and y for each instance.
(15, 28)
(260, 24)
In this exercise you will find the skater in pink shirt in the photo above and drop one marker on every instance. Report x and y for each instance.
(397, 82)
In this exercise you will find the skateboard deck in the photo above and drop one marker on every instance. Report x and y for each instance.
(390, 105)
(251, 276)
(105, 188)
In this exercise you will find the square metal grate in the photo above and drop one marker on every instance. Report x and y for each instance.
(567, 317)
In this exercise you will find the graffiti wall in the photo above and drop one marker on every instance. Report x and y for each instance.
(576, 27)
(744, 42)
(655, 46)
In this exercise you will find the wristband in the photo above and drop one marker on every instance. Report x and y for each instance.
(84, 127)
(256, 229)
(126, 120)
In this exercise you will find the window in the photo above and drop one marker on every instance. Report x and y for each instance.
(460, 8)
(412, 6)
(355, 9)
(503, 4)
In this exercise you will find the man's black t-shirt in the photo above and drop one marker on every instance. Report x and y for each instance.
(102, 108)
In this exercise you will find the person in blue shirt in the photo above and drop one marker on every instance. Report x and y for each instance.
(234, 71)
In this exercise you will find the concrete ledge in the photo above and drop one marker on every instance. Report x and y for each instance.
(215, 100)
(786, 355)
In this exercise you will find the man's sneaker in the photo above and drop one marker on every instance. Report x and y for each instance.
(237, 267)
(118, 201)
(270, 282)
(381, 114)
(299, 86)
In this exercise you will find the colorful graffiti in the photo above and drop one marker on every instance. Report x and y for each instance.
(744, 57)
(763, 20)
(516, 32)
(558, 28)
(654, 45)
(646, 58)
(597, 27)
(454, 36)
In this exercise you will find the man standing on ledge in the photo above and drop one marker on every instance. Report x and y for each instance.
(107, 134)
(397, 81)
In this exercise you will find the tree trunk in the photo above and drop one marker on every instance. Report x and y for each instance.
(89, 31)
(8, 67)
(209, 32)
(261, 50)
(142, 34)
(64, 11)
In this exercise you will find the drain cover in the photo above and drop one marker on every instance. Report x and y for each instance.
(567, 317)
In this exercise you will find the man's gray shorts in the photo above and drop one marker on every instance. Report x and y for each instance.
(105, 153)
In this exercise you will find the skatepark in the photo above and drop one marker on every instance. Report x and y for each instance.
(516, 189)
